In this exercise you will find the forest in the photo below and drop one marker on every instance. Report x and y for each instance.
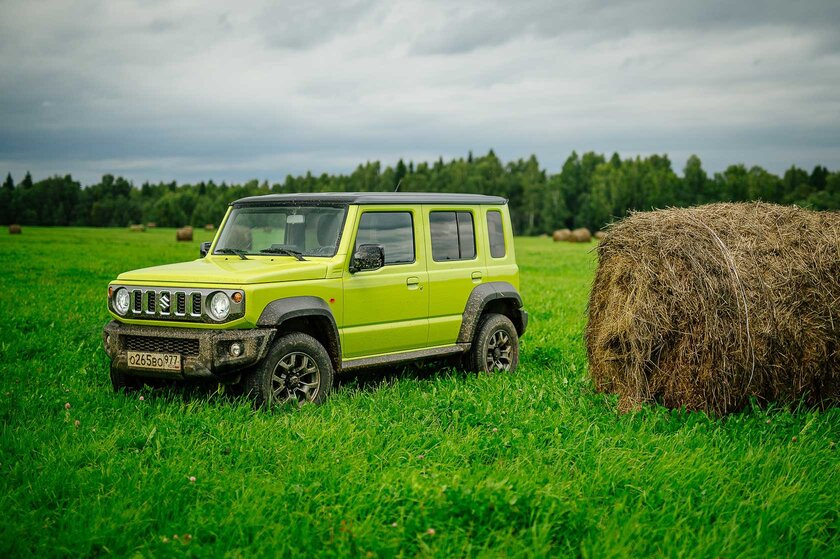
(590, 190)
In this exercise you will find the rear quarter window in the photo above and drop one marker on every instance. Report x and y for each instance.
(496, 234)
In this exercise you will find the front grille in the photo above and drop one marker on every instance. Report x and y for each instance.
(184, 346)
(184, 305)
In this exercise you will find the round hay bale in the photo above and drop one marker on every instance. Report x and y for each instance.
(137, 227)
(184, 234)
(580, 235)
(561, 235)
(599, 235)
(15, 229)
(707, 307)
(209, 227)
(151, 225)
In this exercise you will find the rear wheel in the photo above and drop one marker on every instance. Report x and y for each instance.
(495, 346)
(296, 370)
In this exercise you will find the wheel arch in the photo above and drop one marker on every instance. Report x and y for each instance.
(495, 296)
(309, 315)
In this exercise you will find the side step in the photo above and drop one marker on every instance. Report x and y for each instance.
(394, 358)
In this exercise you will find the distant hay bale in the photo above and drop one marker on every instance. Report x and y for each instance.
(599, 235)
(151, 225)
(137, 227)
(580, 235)
(561, 235)
(209, 227)
(15, 229)
(184, 234)
(708, 307)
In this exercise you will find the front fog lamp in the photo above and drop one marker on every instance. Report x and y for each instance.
(121, 301)
(219, 306)
(235, 349)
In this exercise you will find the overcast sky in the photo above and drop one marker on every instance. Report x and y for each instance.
(189, 90)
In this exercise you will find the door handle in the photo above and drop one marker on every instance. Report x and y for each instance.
(412, 282)
(476, 277)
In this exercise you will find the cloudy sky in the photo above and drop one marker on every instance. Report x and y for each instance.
(191, 90)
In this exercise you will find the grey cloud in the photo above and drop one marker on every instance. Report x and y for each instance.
(302, 24)
(473, 25)
(167, 91)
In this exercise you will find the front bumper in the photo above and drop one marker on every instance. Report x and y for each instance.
(204, 353)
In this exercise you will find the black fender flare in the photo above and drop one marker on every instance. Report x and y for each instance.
(485, 294)
(279, 311)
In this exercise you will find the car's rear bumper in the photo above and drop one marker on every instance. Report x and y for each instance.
(204, 353)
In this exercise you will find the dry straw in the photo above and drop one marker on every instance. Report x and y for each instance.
(581, 235)
(706, 307)
(184, 234)
(561, 235)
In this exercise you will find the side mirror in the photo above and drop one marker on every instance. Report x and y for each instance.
(367, 257)
(204, 248)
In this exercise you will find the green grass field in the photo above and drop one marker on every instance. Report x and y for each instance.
(428, 461)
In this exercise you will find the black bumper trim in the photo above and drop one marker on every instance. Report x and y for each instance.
(212, 360)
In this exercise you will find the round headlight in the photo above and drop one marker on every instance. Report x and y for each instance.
(219, 306)
(121, 301)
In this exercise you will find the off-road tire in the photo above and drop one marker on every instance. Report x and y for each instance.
(494, 331)
(304, 352)
(121, 381)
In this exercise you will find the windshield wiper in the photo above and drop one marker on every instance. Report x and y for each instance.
(284, 251)
(237, 252)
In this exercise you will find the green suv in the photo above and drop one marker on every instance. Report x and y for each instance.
(296, 288)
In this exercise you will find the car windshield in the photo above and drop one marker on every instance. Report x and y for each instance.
(282, 230)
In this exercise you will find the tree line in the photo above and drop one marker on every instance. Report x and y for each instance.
(590, 190)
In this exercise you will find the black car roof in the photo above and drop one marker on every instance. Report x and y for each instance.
(371, 198)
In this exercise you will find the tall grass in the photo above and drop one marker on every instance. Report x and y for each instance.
(425, 461)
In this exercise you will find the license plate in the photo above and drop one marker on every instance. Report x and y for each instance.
(155, 361)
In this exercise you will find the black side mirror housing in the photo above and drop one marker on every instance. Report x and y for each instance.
(367, 257)
(204, 248)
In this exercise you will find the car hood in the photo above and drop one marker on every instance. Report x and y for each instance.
(217, 270)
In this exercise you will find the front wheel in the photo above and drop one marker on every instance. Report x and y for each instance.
(296, 370)
(495, 346)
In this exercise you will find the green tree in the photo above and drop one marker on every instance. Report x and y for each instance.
(694, 182)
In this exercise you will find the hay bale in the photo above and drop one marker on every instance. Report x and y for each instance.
(599, 235)
(151, 225)
(561, 235)
(580, 235)
(15, 229)
(137, 227)
(209, 227)
(184, 234)
(708, 307)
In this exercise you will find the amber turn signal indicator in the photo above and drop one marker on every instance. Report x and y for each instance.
(237, 297)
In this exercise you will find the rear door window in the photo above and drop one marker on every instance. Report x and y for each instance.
(453, 236)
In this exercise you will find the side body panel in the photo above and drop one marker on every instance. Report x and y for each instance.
(504, 268)
(386, 310)
(452, 281)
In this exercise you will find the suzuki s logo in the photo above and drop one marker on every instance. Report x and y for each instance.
(164, 302)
